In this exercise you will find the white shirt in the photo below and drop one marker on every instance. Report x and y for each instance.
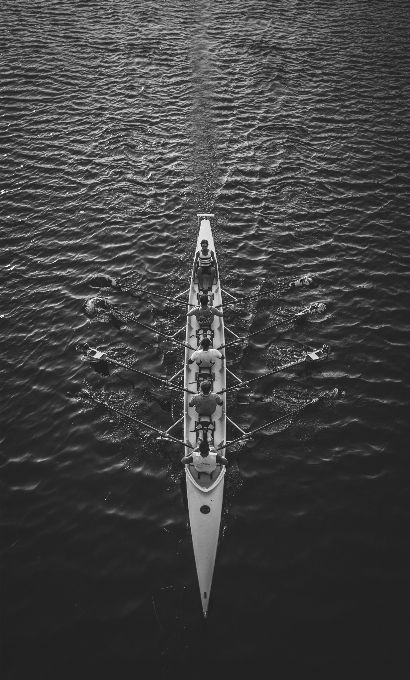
(205, 404)
(207, 464)
(206, 357)
(205, 314)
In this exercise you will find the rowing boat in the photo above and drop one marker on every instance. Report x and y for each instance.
(204, 492)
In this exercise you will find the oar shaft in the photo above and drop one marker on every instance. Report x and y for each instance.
(126, 415)
(160, 295)
(272, 325)
(265, 375)
(182, 305)
(286, 415)
(242, 299)
(164, 297)
(131, 317)
(117, 362)
(316, 355)
(292, 317)
(273, 422)
(150, 292)
(135, 420)
(168, 383)
(164, 335)
(255, 295)
(245, 337)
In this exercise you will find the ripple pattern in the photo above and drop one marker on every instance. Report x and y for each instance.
(121, 121)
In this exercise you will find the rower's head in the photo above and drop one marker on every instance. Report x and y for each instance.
(204, 244)
(205, 343)
(205, 386)
(203, 300)
(204, 448)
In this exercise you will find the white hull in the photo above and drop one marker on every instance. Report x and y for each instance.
(204, 493)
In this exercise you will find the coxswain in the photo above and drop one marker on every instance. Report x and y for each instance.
(205, 458)
(205, 357)
(205, 264)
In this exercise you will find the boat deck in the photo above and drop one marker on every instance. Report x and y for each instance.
(204, 491)
(194, 334)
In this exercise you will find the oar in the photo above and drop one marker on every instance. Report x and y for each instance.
(241, 299)
(95, 355)
(135, 420)
(151, 292)
(316, 355)
(302, 281)
(181, 305)
(130, 317)
(310, 309)
(277, 420)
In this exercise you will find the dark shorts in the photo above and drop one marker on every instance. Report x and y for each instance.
(205, 270)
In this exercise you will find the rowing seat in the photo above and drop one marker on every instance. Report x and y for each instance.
(204, 331)
(210, 298)
(205, 327)
(202, 375)
(204, 423)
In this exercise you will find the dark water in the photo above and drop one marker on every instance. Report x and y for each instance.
(290, 121)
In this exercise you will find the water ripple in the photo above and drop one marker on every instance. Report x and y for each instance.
(121, 121)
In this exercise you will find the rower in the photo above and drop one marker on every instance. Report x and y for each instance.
(205, 357)
(204, 314)
(205, 458)
(205, 401)
(205, 265)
